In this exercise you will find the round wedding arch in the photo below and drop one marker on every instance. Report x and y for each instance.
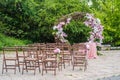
(89, 21)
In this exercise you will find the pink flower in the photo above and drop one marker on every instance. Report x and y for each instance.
(64, 34)
(59, 26)
(62, 23)
(96, 26)
(86, 23)
(91, 22)
(57, 51)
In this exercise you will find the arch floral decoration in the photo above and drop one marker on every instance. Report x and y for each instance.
(90, 21)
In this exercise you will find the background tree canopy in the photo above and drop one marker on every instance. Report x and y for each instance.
(33, 19)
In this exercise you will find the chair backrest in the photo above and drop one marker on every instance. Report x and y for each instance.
(79, 47)
(82, 46)
(51, 45)
(66, 47)
(31, 51)
(75, 47)
(79, 53)
(42, 47)
(10, 50)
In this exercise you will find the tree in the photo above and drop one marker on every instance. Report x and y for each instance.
(108, 12)
(18, 17)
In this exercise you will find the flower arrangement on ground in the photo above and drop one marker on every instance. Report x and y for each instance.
(57, 52)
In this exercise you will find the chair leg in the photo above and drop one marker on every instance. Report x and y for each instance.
(23, 67)
(3, 67)
(39, 70)
(42, 72)
(60, 66)
(55, 72)
(73, 67)
(18, 65)
(43, 68)
(39, 67)
(85, 66)
(64, 64)
(26, 65)
(15, 71)
(34, 70)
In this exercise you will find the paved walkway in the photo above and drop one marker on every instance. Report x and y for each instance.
(104, 66)
(112, 78)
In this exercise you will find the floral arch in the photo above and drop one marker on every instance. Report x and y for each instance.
(90, 21)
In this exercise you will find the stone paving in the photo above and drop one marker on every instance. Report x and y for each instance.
(112, 78)
(105, 67)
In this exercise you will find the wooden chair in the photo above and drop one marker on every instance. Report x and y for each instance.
(31, 62)
(41, 54)
(66, 53)
(10, 62)
(61, 62)
(20, 55)
(51, 45)
(49, 61)
(79, 56)
(41, 47)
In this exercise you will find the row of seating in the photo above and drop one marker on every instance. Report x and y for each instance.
(41, 56)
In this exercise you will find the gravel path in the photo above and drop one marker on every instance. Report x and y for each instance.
(101, 68)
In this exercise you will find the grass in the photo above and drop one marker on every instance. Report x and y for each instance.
(10, 41)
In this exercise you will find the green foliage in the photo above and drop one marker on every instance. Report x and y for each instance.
(18, 15)
(77, 32)
(9, 41)
(108, 12)
(52, 11)
(33, 19)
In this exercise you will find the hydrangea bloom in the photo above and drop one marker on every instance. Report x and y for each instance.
(60, 33)
(96, 26)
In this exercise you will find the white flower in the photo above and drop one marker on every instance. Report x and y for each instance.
(98, 21)
(87, 46)
(68, 20)
(90, 3)
(55, 27)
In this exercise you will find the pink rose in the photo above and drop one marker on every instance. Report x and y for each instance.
(57, 50)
